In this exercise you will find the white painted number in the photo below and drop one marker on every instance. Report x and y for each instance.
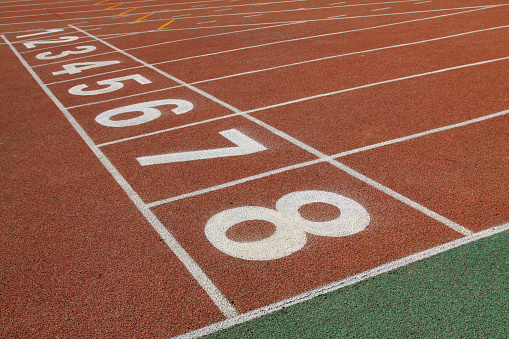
(81, 50)
(77, 67)
(48, 31)
(245, 145)
(147, 108)
(291, 228)
(31, 44)
(113, 85)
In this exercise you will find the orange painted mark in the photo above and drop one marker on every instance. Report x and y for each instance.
(115, 5)
(129, 10)
(143, 17)
(98, 3)
(166, 24)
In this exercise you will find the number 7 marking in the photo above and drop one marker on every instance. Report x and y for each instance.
(245, 145)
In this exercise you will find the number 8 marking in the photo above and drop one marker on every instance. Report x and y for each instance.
(291, 227)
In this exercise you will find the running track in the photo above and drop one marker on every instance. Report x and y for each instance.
(177, 167)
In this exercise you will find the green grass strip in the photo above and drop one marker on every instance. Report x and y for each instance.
(461, 293)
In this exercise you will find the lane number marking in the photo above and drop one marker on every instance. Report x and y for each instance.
(31, 44)
(48, 31)
(49, 56)
(113, 85)
(291, 228)
(77, 67)
(147, 108)
(245, 145)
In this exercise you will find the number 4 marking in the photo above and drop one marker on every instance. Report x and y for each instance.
(245, 145)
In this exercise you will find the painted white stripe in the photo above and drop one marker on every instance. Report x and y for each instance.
(380, 9)
(235, 182)
(418, 135)
(376, 84)
(449, 223)
(391, 266)
(206, 22)
(219, 299)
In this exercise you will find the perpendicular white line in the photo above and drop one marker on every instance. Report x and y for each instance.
(334, 286)
(449, 223)
(195, 270)
(374, 84)
(418, 135)
(298, 143)
(235, 182)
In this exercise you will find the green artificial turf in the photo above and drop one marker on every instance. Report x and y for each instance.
(462, 293)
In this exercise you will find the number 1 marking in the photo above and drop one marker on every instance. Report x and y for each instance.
(48, 31)
(245, 145)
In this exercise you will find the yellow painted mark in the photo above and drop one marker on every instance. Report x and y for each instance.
(132, 9)
(143, 17)
(166, 24)
(115, 5)
(98, 3)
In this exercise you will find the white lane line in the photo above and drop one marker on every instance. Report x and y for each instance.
(299, 144)
(225, 9)
(235, 182)
(380, 9)
(421, 134)
(88, 6)
(313, 96)
(337, 3)
(447, 222)
(214, 293)
(275, 67)
(109, 16)
(420, 3)
(206, 22)
(391, 266)
(277, 42)
(376, 84)
(312, 162)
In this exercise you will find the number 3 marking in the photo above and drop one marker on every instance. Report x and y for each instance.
(48, 56)
(291, 227)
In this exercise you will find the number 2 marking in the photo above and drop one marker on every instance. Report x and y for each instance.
(291, 228)
(245, 145)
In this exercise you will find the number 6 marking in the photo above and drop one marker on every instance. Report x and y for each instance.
(291, 227)
(149, 112)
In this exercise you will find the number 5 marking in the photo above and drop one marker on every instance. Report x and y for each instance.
(113, 85)
(245, 145)
(291, 227)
